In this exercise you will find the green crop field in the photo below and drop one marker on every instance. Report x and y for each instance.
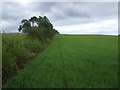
(72, 61)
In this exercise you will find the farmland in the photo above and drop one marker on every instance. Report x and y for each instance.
(72, 61)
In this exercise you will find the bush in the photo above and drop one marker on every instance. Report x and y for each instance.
(41, 32)
(17, 49)
(36, 32)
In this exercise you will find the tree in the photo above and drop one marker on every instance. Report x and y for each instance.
(24, 21)
(49, 25)
(44, 27)
(40, 21)
(33, 20)
(20, 28)
(46, 19)
(25, 25)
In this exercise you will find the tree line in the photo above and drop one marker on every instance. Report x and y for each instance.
(40, 27)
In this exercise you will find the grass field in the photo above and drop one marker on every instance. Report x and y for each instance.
(72, 61)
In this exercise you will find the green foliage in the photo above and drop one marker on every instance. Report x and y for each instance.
(36, 32)
(33, 20)
(72, 61)
(25, 26)
(17, 49)
(44, 28)
(41, 33)
(20, 28)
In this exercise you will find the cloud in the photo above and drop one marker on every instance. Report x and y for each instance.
(68, 17)
(102, 27)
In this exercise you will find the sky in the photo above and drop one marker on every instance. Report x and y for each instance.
(66, 17)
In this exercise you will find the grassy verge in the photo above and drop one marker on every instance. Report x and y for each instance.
(17, 49)
(72, 61)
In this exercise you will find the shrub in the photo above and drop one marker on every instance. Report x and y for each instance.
(17, 49)
(36, 32)
(12, 50)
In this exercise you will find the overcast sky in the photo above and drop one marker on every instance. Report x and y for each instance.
(66, 17)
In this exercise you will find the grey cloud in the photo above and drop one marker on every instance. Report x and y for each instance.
(11, 28)
(44, 6)
(59, 13)
(87, 11)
